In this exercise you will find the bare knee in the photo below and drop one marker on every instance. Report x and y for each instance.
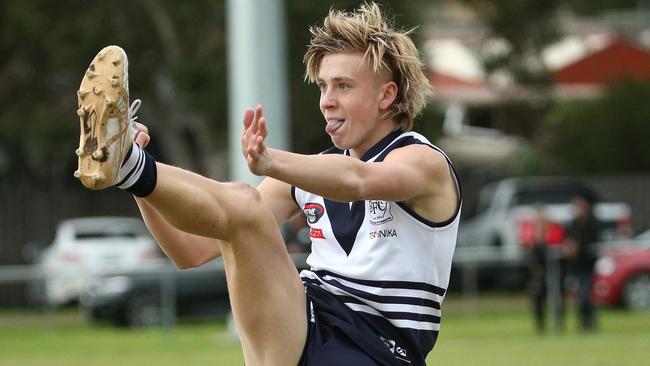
(245, 191)
(246, 198)
(247, 208)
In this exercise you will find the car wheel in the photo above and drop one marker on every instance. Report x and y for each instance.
(636, 293)
(93, 315)
(144, 310)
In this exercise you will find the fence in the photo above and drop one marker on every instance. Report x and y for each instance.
(167, 279)
(31, 211)
(157, 289)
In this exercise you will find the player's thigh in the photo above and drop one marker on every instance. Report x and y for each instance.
(266, 294)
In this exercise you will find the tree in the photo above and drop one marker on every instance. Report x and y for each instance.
(594, 7)
(607, 134)
(177, 66)
(517, 33)
(526, 27)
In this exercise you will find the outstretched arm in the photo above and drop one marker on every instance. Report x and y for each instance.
(415, 174)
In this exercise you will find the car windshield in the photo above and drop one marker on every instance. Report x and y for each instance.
(92, 230)
(103, 234)
(548, 196)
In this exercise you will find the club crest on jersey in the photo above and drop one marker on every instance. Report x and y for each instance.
(379, 212)
(313, 212)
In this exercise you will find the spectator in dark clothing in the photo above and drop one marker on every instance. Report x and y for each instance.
(582, 254)
(541, 282)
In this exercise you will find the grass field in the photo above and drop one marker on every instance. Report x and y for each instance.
(494, 330)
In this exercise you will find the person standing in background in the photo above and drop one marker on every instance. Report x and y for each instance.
(545, 274)
(581, 254)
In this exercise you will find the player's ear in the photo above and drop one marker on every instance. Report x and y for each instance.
(388, 95)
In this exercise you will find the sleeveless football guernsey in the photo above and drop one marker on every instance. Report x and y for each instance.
(382, 260)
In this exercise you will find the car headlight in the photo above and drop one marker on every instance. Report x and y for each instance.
(605, 266)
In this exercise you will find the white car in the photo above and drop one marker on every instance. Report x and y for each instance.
(84, 248)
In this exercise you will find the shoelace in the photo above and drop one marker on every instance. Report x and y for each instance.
(133, 109)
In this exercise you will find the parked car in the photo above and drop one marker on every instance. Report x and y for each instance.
(145, 297)
(84, 248)
(142, 297)
(622, 273)
(497, 235)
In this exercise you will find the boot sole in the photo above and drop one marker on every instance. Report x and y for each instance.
(103, 101)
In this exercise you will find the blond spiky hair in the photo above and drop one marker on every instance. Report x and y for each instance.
(366, 31)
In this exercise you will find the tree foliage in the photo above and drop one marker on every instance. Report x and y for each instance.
(526, 27)
(584, 136)
(608, 134)
(594, 7)
(177, 66)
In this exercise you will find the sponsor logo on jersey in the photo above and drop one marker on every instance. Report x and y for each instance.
(379, 212)
(385, 233)
(312, 317)
(316, 233)
(313, 211)
(398, 351)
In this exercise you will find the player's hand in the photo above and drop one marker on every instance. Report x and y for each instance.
(141, 137)
(252, 141)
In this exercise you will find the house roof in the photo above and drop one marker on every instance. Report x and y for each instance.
(580, 65)
(618, 59)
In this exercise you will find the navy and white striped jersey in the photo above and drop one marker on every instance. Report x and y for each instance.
(382, 259)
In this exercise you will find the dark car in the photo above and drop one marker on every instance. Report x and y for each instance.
(151, 295)
(622, 276)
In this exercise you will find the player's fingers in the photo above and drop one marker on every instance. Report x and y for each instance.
(259, 144)
(256, 117)
(260, 111)
(142, 139)
(263, 130)
(140, 127)
(248, 118)
(251, 154)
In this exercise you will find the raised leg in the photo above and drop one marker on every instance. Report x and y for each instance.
(266, 293)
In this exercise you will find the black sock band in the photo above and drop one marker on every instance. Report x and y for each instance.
(138, 173)
(147, 181)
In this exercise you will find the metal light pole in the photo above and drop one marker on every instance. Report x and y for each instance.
(257, 70)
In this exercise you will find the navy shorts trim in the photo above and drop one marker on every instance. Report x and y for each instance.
(336, 335)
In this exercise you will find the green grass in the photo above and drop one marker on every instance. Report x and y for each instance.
(502, 334)
(495, 330)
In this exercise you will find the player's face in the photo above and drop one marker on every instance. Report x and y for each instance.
(352, 101)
